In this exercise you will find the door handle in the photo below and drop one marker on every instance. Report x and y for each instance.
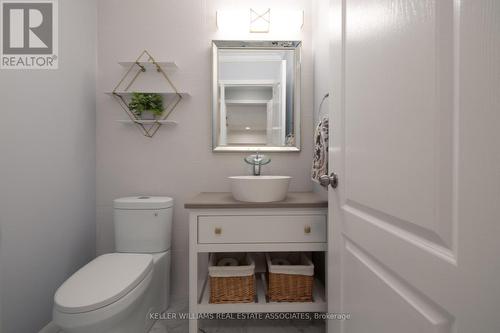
(332, 180)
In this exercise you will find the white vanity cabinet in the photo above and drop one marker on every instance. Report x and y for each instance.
(218, 223)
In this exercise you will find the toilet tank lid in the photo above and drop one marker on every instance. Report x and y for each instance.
(143, 202)
(102, 281)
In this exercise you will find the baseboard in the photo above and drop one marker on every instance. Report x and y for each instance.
(50, 328)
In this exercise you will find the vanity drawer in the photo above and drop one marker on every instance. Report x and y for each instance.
(262, 229)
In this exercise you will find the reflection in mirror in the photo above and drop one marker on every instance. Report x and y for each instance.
(256, 96)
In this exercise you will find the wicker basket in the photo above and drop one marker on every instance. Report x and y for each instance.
(290, 282)
(232, 284)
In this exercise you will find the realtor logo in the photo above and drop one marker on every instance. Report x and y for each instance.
(29, 34)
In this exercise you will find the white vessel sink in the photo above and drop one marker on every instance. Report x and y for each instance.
(259, 188)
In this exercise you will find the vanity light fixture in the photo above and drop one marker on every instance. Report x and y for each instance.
(256, 20)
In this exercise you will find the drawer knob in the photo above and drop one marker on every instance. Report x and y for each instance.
(307, 229)
(218, 231)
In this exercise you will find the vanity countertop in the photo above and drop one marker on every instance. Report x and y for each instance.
(214, 200)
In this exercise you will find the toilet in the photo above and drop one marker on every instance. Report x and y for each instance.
(118, 292)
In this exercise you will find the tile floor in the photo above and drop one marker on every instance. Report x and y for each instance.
(179, 305)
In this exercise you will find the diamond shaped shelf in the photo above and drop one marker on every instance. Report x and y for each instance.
(169, 65)
(147, 122)
(129, 93)
(124, 89)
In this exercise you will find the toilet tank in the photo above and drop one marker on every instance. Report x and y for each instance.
(143, 224)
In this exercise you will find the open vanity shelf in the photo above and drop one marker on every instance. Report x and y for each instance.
(262, 304)
(218, 223)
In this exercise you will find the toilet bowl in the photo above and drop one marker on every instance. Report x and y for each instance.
(119, 292)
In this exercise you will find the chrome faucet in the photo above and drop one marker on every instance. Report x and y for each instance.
(257, 160)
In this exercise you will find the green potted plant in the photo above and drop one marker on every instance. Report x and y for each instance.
(146, 106)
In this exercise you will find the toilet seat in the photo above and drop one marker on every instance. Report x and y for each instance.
(103, 281)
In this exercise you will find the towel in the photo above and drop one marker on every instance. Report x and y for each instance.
(227, 262)
(320, 159)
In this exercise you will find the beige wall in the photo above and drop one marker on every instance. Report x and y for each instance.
(178, 161)
(47, 173)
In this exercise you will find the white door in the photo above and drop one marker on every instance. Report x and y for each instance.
(283, 100)
(269, 123)
(414, 229)
(276, 131)
(223, 116)
(277, 125)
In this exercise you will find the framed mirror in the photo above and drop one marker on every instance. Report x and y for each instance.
(256, 96)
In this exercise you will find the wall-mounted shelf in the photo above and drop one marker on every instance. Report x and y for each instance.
(165, 93)
(147, 122)
(170, 65)
(125, 88)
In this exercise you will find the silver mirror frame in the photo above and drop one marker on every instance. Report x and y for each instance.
(256, 45)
